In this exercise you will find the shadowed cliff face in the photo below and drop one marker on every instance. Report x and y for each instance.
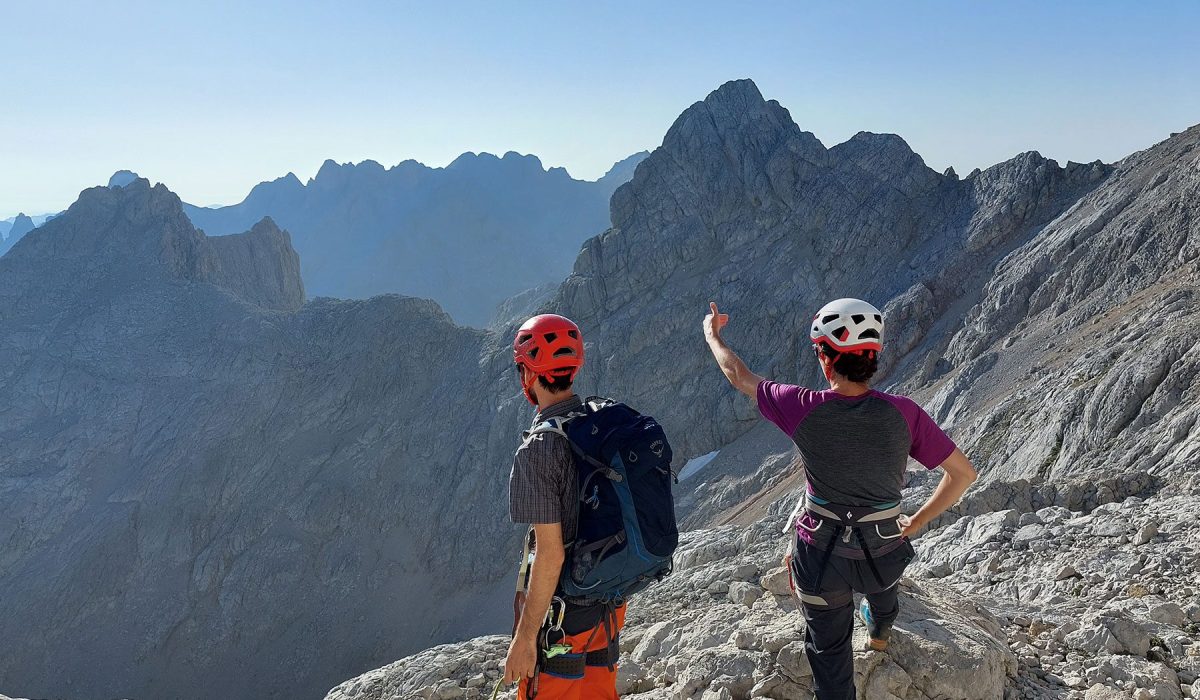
(468, 235)
(202, 479)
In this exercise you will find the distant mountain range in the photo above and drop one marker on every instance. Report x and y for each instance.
(469, 236)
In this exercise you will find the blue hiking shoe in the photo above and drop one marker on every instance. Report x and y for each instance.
(880, 642)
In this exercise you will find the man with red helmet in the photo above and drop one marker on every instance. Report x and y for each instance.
(548, 351)
(847, 533)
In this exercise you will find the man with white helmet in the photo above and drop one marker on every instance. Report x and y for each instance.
(855, 442)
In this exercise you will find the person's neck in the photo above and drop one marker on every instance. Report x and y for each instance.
(845, 387)
(546, 399)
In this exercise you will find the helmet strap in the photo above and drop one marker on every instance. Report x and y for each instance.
(527, 384)
(826, 367)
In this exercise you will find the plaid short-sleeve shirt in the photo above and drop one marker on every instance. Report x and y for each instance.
(541, 487)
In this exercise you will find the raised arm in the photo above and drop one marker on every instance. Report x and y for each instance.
(736, 371)
(958, 476)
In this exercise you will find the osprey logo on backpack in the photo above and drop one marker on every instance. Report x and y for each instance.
(626, 532)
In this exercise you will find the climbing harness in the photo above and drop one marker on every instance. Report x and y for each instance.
(848, 521)
(560, 661)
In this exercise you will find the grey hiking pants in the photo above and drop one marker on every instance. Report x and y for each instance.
(830, 610)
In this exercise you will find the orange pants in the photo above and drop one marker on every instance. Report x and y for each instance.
(598, 683)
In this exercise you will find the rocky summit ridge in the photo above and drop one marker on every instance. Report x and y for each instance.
(238, 485)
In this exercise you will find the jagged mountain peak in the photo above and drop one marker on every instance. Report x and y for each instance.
(333, 174)
(891, 146)
(21, 220)
(622, 171)
(889, 158)
(736, 111)
(122, 178)
(289, 181)
(513, 162)
(739, 94)
(114, 236)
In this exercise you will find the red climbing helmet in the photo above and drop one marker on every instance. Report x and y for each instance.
(550, 346)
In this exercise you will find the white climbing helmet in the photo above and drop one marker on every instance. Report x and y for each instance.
(848, 325)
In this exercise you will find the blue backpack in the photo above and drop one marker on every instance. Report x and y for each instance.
(627, 531)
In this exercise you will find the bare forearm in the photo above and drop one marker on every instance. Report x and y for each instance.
(543, 581)
(734, 369)
(948, 491)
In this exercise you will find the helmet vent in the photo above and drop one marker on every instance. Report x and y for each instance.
(878, 318)
(563, 351)
(524, 338)
(869, 333)
(841, 333)
(830, 318)
(550, 337)
(858, 318)
(533, 352)
(573, 334)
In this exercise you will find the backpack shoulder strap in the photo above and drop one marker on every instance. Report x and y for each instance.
(550, 425)
(558, 424)
(597, 403)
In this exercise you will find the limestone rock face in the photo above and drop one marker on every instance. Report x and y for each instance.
(1082, 345)
(259, 266)
(741, 206)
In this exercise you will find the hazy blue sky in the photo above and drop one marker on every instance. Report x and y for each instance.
(213, 99)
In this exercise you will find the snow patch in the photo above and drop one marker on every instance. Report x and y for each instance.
(695, 464)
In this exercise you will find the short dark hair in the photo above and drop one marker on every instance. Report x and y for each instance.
(851, 365)
(556, 384)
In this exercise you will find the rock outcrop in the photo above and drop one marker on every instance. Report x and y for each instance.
(1051, 603)
(725, 625)
(468, 235)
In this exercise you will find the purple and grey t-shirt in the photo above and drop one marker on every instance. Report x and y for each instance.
(855, 448)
